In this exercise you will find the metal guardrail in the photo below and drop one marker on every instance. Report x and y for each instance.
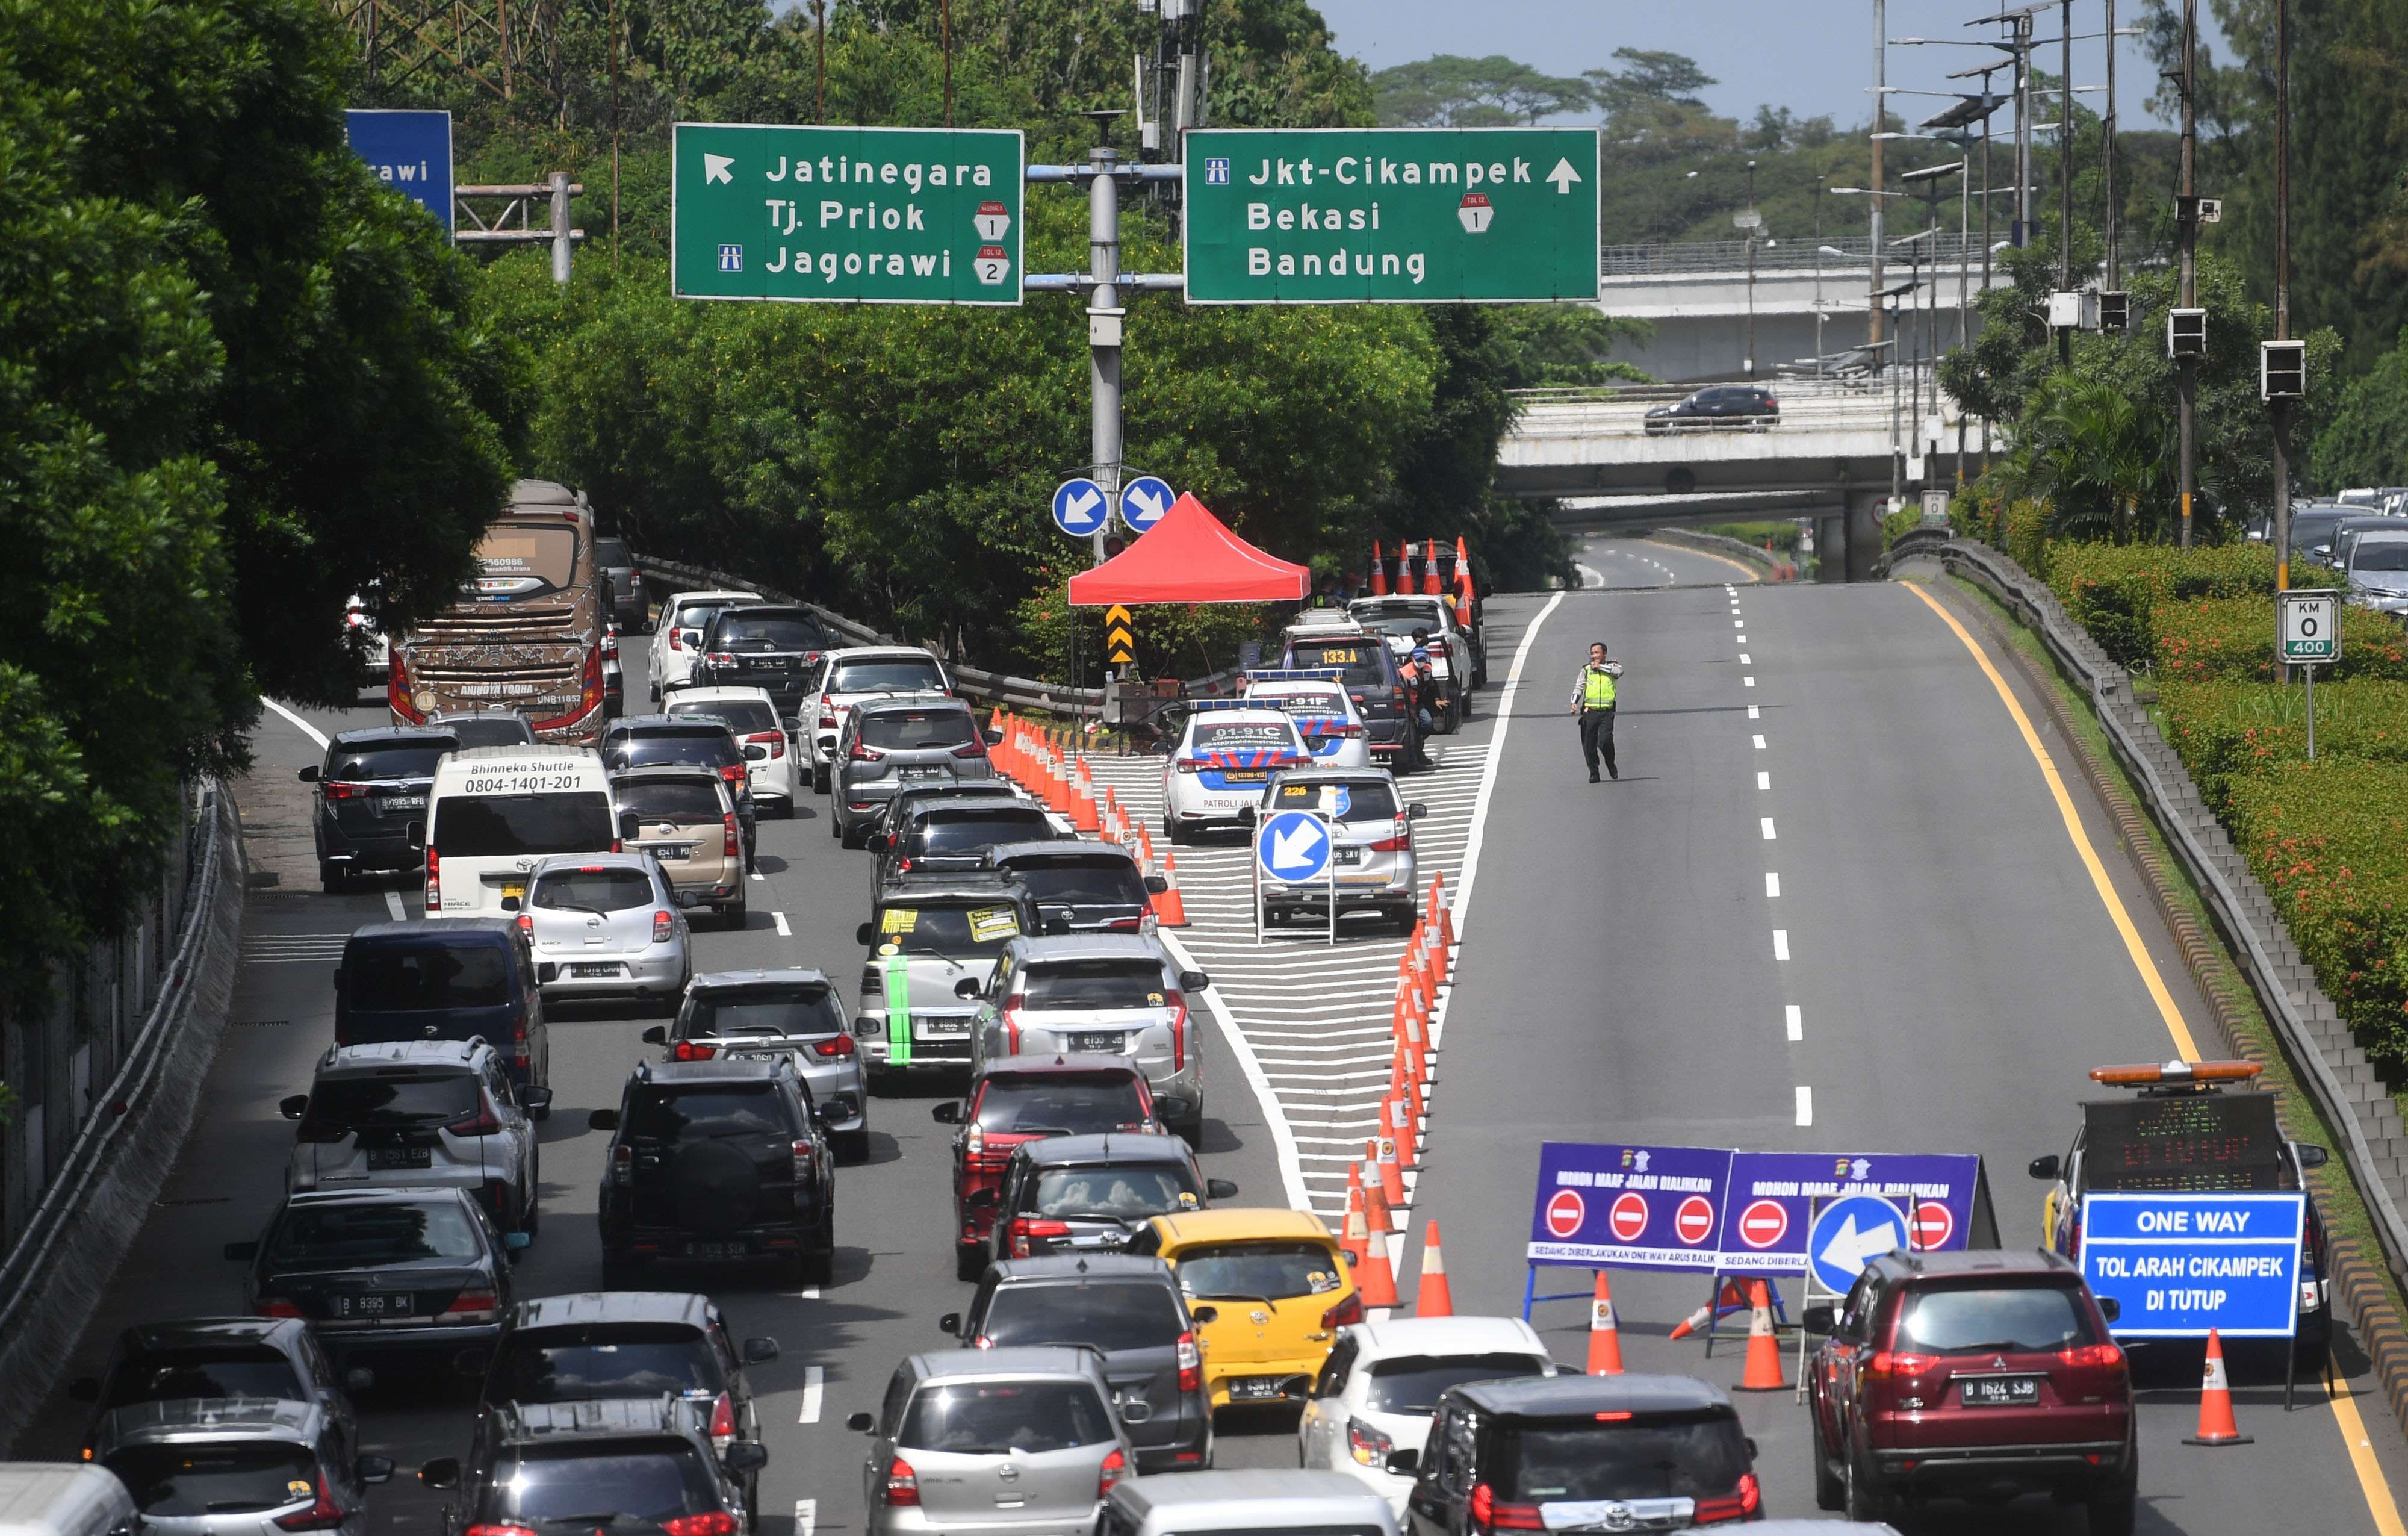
(1798, 253)
(2080, 657)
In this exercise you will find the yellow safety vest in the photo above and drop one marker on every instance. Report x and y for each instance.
(1596, 689)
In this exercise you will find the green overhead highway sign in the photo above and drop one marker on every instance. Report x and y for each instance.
(845, 215)
(1391, 215)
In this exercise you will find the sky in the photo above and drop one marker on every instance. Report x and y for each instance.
(1811, 56)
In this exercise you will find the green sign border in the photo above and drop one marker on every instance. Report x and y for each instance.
(2283, 651)
(1019, 223)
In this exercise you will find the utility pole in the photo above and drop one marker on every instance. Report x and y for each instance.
(2186, 231)
(1104, 317)
(1880, 113)
(614, 135)
(2113, 275)
(2280, 409)
(2023, 130)
(1755, 221)
(819, 48)
(1820, 182)
(2065, 177)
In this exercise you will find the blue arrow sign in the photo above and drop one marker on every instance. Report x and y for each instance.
(1849, 1233)
(1079, 507)
(1293, 846)
(1143, 500)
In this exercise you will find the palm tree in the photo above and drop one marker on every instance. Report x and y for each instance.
(2092, 450)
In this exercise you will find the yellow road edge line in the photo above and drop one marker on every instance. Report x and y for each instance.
(1741, 567)
(2183, 1045)
(2371, 1481)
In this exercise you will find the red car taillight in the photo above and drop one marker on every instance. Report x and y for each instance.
(1732, 1506)
(723, 1421)
(1399, 840)
(520, 1052)
(731, 840)
(692, 1050)
(397, 690)
(623, 1166)
(710, 1521)
(720, 659)
(863, 753)
(2092, 1356)
(675, 643)
(338, 789)
(1011, 1026)
(1345, 1315)
(498, 1531)
(1191, 1364)
(1115, 1467)
(474, 1307)
(775, 741)
(1190, 765)
(827, 720)
(526, 926)
(1487, 1514)
(324, 1514)
(833, 1046)
(1178, 1001)
(664, 925)
(479, 1124)
(1888, 1366)
(902, 1485)
(268, 1306)
(1026, 1231)
(971, 749)
(434, 879)
(802, 1150)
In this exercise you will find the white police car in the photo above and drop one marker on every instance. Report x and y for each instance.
(1315, 699)
(1228, 751)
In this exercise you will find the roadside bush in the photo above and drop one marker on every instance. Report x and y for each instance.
(2233, 638)
(2226, 730)
(2114, 590)
(2025, 535)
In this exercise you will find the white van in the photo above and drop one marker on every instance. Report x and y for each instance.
(495, 812)
(63, 1499)
(1258, 1503)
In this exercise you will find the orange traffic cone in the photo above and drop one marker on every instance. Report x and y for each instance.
(1435, 1299)
(1376, 1277)
(1357, 1238)
(1462, 564)
(1763, 1374)
(1398, 1116)
(1169, 912)
(1429, 568)
(1604, 1339)
(2216, 1422)
(1379, 572)
(1381, 1154)
(1729, 1299)
(1083, 814)
(1443, 910)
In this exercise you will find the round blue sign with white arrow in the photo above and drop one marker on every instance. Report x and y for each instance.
(1849, 1233)
(1079, 507)
(1292, 846)
(1144, 500)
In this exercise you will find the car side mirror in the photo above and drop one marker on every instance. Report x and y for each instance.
(1155, 885)
(373, 1469)
(968, 987)
(2312, 1156)
(515, 1243)
(2110, 1308)
(1348, 1255)
(1206, 1314)
(602, 1120)
(1416, 811)
(441, 1473)
(861, 935)
(359, 1378)
(656, 1035)
(1404, 1463)
(84, 1390)
(994, 737)
(947, 1113)
(755, 754)
(760, 1351)
(294, 1107)
(307, 775)
(860, 1424)
(746, 1455)
(1820, 1319)
(535, 1100)
(1221, 1189)
(630, 822)
(1751, 1447)
(2045, 1167)
(242, 1252)
(1170, 1106)
(509, 903)
(950, 1323)
(1195, 980)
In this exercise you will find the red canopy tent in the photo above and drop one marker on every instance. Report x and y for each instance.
(1190, 556)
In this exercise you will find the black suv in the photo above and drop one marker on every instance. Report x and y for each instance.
(717, 1161)
(1088, 1194)
(1636, 1453)
(773, 647)
(649, 740)
(1750, 405)
(371, 813)
(1130, 1312)
(595, 1344)
(545, 1467)
(1091, 885)
(1367, 669)
(954, 835)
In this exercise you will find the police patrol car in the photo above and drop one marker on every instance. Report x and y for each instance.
(1315, 699)
(1227, 751)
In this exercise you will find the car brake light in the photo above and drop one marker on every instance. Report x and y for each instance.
(802, 1150)
(734, 773)
(864, 753)
(971, 749)
(338, 789)
(1886, 1365)
(1733, 1506)
(1399, 840)
(709, 1522)
(902, 1485)
(674, 644)
(479, 1124)
(827, 721)
(723, 1420)
(1115, 1467)
(270, 1307)
(1125, 924)
(314, 1129)
(519, 1053)
(1177, 1002)
(474, 1307)
(731, 840)
(1345, 1315)
(434, 879)
(720, 659)
(623, 1166)
(775, 741)
(2092, 1356)
(397, 690)
(526, 926)
(322, 1514)
(1367, 1445)
(1488, 1515)
(664, 925)
(1189, 764)
(1025, 1230)
(1348, 733)
(1011, 1026)
(498, 1531)
(1191, 1364)
(835, 1046)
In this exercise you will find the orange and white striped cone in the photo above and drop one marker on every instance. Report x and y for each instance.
(1376, 1276)
(1429, 568)
(1398, 1117)
(1083, 814)
(1434, 953)
(1444, 911)
(1604, 1339)
(1379, 572)
(1401, 1081)
(1170, 911)
(1355, 1238)
(1433, 1299)
(1392, 1176)
(1424, 984)
(1729, 1299)
(1692, 1323)
(2216, 1425)
(1763, 1372)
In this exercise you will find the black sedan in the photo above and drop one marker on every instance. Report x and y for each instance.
(1749, 407)
(423, 1271)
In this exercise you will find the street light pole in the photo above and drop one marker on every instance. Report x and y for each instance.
(2113, 275)
(1754, 223)
(2186, 368)
(2278, 408)
(1820, 182)
(1881, 108)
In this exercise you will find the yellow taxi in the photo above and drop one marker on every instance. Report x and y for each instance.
(1268, 1291)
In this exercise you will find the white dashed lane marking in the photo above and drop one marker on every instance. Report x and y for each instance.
(1805, 1105)
(815, 1386)
(779, 919)
(1764, 781)
(393, 905)
(807, 1516)
(1780, 944)
(1771, 885)
(1759, 744)
(1767, 829)
(1797, 1022)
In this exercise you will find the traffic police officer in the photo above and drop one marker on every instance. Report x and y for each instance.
(1593, 694)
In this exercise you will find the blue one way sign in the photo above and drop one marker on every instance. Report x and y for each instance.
(2181, 1264)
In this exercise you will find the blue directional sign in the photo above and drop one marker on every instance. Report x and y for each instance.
(1143, 500)
(1293, 846)
(411, 152)
(2181, 1264)
(1849, 1233)
(1079, 507)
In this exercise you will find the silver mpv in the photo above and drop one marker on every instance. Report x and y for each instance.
(888, 744)
(992, 1443)
(1104, 994)
(792, 1011)
(238, 1467)
(1371, 843)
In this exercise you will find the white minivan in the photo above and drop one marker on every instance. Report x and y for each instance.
(495, 812)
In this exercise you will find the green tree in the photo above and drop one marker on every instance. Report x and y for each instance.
(2366, 443)
(1448, 91)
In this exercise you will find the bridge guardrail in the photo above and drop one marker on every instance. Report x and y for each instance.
(2311, 1027)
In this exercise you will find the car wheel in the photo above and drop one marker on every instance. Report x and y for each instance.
(331, 878)
(819, 780)
(818, 1269)
(2114, 1507)
(1829, 1492)
(732, 915)
(970, 1261)
(1176, 833)
(1864, 1498)
(1192, 1132)
(531, 1214)
(852, 1146)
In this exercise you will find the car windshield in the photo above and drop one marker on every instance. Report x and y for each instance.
(1104, 880)
(1094, 984)
(1992, 1319)
(353, 765)
(1124, 1194)
(605, 1361)
(1308, 703)
(632, 1482)
(1273, 1269)
(745, 716)
(956, 931)
(1652, 1456)
(2385, 554)
(1357, 800)
(971, 831)
(783, 1008)
(612, 553)
(988, 1418)
(546, 551)
(1108, 1314)
(1061, 1104)
(918, 730)
(353, 1237)
(698, 615)
(711, 747)
(388, 1099)
(1410, 1384)
(408, 978)
(1396, 619)
(1244, 735)
(672, 799)
(493, 730)
(162, 1375)
(662, 1112)
(606, 890)
(231, 1478)
(1363, 662)
(902, 675)
(767, 632)
(522, 825)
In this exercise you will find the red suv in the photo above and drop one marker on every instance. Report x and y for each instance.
(1019, 1099)
(1980, 1375)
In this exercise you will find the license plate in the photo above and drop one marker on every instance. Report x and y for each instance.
(405, 802)
(1348, 855)
(1258, 1388)
(1246, 776)
(595, 969)
(401, 1157)
(931, 771)
(943, 1026)
(717, 1250)
(1109, 1045)
(671, 851)
(514, 892)
(393, 1304)
(1999, 1391)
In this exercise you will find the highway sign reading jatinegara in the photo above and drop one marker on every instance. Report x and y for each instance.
(846, 215)
(1391, 215)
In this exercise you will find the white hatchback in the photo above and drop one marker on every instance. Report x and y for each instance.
(677, 638)
(1226, 753)
(1379, 1390)
(771, 761)
(607, 925)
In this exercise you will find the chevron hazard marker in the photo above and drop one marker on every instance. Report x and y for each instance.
(1120, 635)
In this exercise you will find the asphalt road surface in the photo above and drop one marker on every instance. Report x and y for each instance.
(1617, 562)
(1950, 958)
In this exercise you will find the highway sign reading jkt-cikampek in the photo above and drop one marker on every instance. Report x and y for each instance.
(1391, 215)
(846, 215)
